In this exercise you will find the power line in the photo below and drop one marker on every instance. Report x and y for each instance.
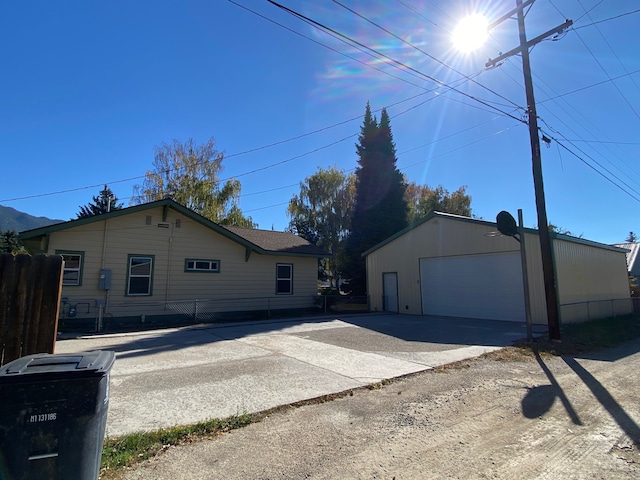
(608, 76)
(594, 168)
(325, 45)
(423, 52)
(605, 19)
(397, 63)
(610, 79)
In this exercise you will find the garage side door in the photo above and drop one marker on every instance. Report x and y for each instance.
(474, 286)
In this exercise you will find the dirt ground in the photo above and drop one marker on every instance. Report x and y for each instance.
(558, 418)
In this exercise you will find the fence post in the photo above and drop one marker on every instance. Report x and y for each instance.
(195, 310)
(100, 317)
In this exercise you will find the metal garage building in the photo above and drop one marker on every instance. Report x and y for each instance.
(458, 266)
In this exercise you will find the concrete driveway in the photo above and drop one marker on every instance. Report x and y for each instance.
(181, 376)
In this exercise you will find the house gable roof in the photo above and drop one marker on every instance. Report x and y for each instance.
(533, 231)
(264, 242)
(633, 258)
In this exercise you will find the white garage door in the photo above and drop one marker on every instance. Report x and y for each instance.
(474, 286)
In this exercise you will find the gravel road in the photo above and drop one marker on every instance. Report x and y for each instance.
(559, 418)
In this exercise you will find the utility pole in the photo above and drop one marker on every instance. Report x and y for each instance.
(543, 225)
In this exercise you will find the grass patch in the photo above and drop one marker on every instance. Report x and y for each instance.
(576, 338)
(119, 453)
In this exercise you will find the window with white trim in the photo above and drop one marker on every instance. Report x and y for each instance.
(201, 265)
(140, 274)
(73, 263)
(284, 279)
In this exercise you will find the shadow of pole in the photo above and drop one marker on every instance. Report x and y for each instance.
(626, 423)
(559, 392)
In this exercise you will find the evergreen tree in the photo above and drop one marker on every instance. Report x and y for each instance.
(631, 238)
(105, 202)
(380, 206)
(10, 242)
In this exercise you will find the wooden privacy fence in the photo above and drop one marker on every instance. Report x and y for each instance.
(30, 288)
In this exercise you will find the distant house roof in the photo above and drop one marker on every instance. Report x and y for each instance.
(265, 242)
(633, 259)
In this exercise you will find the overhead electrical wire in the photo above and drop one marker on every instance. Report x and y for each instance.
(393, 61)
(608, 76)
(592, 167)
(438, 82)
(395, 36)
(437, 60)
(324, 45)
(605, 20)
(558, 96)
(604, 38)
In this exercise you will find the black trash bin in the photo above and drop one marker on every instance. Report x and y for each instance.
(53, 414)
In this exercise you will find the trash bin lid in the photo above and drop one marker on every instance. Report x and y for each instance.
(98, 362)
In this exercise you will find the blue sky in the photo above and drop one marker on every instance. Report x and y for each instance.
(89, 89)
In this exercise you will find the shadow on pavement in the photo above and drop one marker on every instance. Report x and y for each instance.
(624, 421)
(404, 328)
(539, 400)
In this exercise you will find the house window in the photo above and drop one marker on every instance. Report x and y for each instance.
(284, 279)
(140, 274)
(199, 265)
(73, 263)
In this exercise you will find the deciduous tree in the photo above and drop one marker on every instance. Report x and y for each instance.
(189, 174)
(423, 200)
(322, 212)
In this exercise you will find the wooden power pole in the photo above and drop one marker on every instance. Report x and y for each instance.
(543, 225)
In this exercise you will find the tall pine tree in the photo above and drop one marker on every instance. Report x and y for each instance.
(380, 207)
(105, 202)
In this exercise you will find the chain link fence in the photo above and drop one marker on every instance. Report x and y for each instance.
(599, 309)
(138, 314)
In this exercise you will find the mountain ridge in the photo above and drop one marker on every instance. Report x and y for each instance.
(12, 219)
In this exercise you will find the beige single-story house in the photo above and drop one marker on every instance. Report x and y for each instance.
(457, 266)
(161, 258)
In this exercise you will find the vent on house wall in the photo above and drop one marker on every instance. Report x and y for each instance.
(177, 223)
(147, 220)
(164, 225)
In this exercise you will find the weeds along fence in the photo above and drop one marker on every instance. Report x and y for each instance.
(599, 309)
(30, 288)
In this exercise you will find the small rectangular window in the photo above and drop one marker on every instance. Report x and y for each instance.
(139, 275)
(201, 265)
(284, 279)
(73, 263)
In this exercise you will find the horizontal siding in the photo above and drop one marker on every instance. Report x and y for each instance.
(129, 234)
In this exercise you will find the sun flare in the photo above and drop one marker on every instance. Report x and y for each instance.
(471, 33)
